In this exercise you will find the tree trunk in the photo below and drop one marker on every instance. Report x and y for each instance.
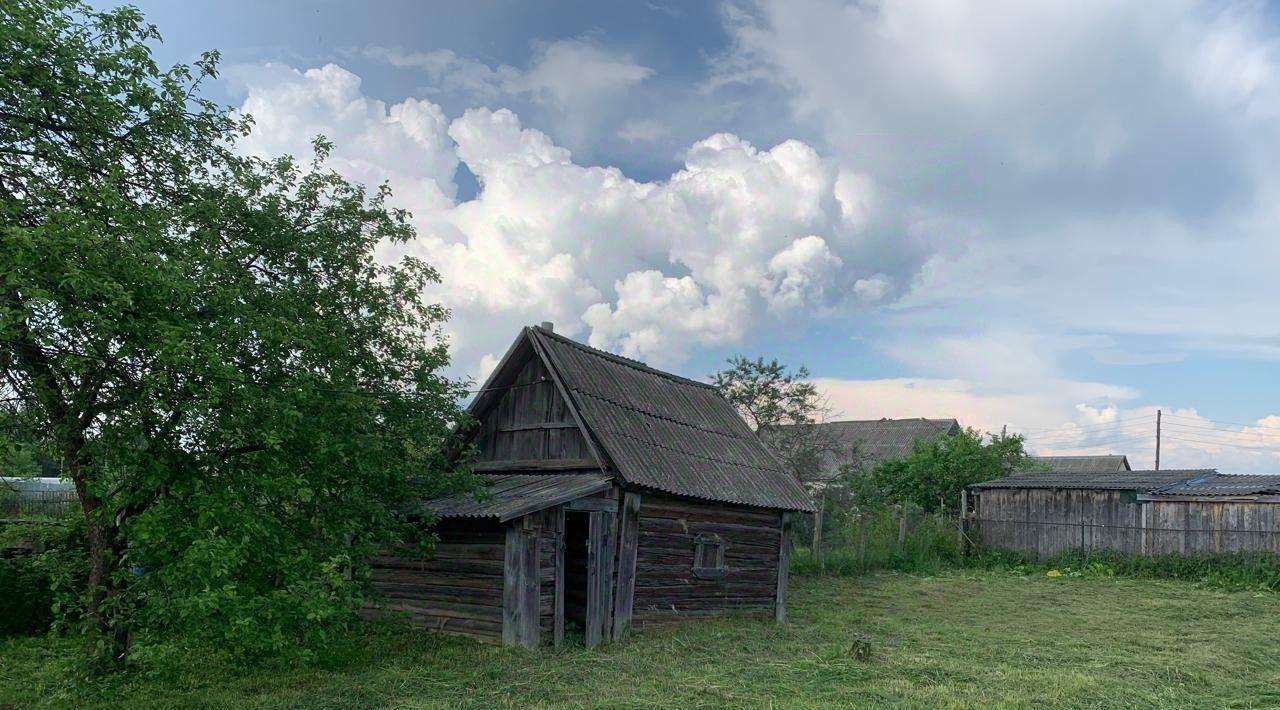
(107, 635)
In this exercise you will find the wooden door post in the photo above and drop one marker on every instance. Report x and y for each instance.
(784, 564)
(628, 546)
(815, 549)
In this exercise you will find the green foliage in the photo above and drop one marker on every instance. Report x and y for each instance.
(43, 589)
(769, 393)
(932, 477)
(246, 395)
(930, 546)
(25, 593)
(1237, 571)
(784, 409)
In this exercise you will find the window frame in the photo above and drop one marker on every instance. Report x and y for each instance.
(709, 556)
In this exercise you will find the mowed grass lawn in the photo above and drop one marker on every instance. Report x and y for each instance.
(962, 639)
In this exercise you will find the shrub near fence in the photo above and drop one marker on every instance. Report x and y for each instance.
(886, 538)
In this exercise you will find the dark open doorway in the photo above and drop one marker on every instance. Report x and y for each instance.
(577, 529)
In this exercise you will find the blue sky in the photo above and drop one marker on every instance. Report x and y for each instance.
(1058, 217)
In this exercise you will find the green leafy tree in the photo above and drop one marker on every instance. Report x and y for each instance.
(242, 394)
(935, 472)
(784, 408)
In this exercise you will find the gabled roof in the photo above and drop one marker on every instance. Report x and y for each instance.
(508, 496)
(1120, 481)
(1224, 485)
(661, 431)
(877, 440)
(1113, 463)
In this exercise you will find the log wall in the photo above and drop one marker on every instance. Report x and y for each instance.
(666, 588)
(459, 591)
(530, 422)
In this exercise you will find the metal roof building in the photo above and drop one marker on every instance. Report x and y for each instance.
(617, 496)
(1111, 463)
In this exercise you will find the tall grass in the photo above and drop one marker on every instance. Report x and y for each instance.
(1233, 571)
(929, 546)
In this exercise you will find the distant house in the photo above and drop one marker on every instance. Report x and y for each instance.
(867, 442)
(1112, 463)
(618, 496)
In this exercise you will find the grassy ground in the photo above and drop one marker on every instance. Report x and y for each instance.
(962, 639)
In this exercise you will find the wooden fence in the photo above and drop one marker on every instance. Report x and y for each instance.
(1048, 524)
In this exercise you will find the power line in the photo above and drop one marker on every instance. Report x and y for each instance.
(1227, 444)
(1126, 432)
(1088, 427)
(1265, 436)
(1212, 421)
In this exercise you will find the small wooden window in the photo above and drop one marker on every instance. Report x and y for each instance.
(708, 556)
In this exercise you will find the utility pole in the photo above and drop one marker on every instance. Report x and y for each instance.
(1158, 413)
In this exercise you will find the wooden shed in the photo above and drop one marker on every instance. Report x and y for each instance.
(1047, 513)
(619, 496)
(1213, 513)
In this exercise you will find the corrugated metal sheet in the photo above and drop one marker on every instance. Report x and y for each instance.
(1224, 484)
(670, 433)
(1078, 464)
(510, 496)
(1120, 481)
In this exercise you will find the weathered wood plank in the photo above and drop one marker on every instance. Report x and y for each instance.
(531, 538)
(599, 578)
(607, 505)
(784, 560)
(558, 613)
(512, 584)
(628, 547)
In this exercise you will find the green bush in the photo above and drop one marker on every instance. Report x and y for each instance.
(45, 588)
(26, 593)
(930, 545)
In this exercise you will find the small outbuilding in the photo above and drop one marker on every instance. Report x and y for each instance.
(1213, 513)
(618, 496)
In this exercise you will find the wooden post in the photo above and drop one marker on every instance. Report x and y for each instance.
(815, 549)
(558, 613)
(628, 546)
(1158, 414)
(960, 520)
(520, 583)
(902, 529)
(862, 539)
(599, 578)
(784, 564)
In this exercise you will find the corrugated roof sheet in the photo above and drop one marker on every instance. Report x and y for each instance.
(1123, 481)
(878, 439)
(1079, 464)
(1224, 484)
(510, 496)
(667, 432)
